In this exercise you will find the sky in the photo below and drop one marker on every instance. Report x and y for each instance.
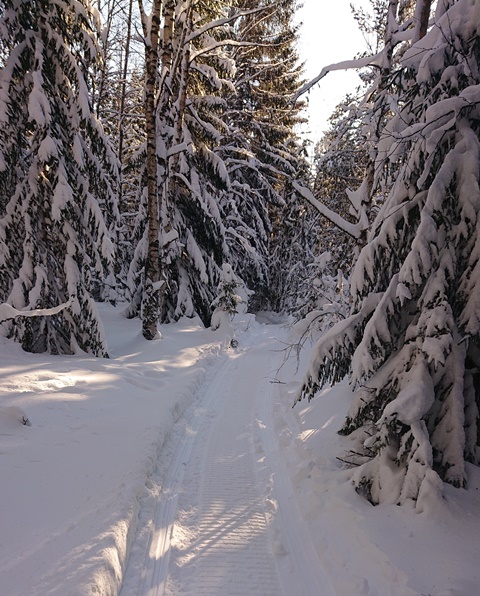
(329, 34)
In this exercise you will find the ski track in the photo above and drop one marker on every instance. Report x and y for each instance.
(226, 519)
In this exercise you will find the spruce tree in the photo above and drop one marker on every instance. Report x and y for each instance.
(226, 303)
(57, 172)
(412, 339)
(340, 161)
(172, 272)
(189, 171)
(262, 150)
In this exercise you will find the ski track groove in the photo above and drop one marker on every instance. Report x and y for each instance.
(211, 531)
(232, 528)
(158, 557)
(305, 572)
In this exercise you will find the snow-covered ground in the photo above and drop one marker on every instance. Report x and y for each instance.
(179, 467)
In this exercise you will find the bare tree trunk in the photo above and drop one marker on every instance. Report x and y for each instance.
(150, 306)
(123, 91)
(422, 16)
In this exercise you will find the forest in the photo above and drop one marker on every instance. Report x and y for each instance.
(151, 156)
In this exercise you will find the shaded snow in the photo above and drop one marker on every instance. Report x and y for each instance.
(75, 481)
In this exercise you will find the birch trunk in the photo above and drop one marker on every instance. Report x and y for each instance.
(150, 302)
(180, 99)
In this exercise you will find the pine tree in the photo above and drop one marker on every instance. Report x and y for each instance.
(57, 174)
(411, 341)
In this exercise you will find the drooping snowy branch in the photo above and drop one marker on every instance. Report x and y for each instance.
(7, 311)
(376, 60)
(353, 230)
(217, 23)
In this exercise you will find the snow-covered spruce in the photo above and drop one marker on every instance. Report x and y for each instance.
(225, 149)
(324, 303)
(412, 339)
(56, 173)
(340, 160)
(263, 154)
(226, 303)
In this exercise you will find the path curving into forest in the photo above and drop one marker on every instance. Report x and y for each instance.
(226, 520)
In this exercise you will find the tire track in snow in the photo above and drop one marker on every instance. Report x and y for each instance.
(214, 530)
(155, 571)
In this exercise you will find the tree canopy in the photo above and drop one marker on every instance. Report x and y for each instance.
(411, 340)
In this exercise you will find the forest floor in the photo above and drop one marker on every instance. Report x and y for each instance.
(179, 467)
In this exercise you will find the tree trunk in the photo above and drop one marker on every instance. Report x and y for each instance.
(422, 15)
(123, 91)
(180, 102)
(150, 303)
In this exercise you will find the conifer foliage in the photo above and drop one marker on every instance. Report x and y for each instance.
(261, 150)
(224, 148)
(183, 235)
(56, 175)
(412, 339)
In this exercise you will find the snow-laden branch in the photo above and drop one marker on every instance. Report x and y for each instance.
(353, 230)
(180, 148)
(7, 311)
(376, 60)
(227, 43)
(380, 60)
(221, 22)
(329, 352)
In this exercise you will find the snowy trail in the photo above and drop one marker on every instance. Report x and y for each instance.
(226, 520)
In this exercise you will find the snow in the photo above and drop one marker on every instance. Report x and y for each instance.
(9, 312)
(414, 400)
(62, 195)
(195, 254)
(353, 230)
(38, 104)
(126, 459)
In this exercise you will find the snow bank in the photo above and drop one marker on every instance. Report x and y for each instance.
(73, 481)
(382, 550)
